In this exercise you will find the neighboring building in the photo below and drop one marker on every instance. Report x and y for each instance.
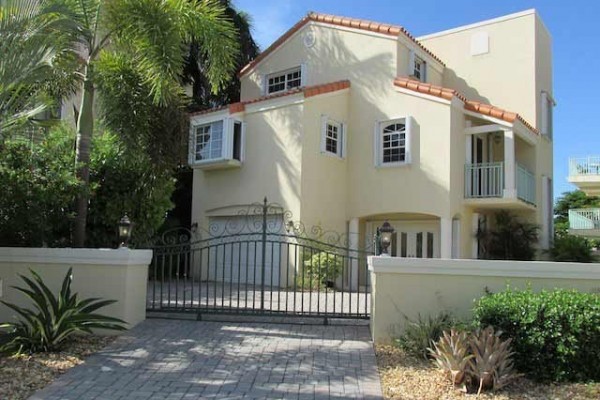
(585, 174)
(348, 123)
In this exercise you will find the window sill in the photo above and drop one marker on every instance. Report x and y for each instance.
(220, 163)
(393, 165)
(335, 156)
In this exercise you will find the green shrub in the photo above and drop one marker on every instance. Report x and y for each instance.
(420, 334)
(320, 270)
(556, 334)
(571, 248)
(54, 319)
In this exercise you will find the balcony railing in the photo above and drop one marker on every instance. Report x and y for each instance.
(525, 185)
(584, 218)
(484, 180)
(584, 166)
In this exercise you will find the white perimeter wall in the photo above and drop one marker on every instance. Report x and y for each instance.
(409, 287)
(109, 274)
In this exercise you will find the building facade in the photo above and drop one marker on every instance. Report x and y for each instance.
(348, 123)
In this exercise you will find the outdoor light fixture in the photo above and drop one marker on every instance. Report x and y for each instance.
(125, 227)
(385, 237)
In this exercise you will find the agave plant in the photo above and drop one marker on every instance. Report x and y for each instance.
(451, 353)
(492, 365)
(54, 319)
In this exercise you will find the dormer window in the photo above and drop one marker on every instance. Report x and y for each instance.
(419, 69)
(286, 80)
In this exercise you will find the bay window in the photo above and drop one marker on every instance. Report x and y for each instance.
(217, 142)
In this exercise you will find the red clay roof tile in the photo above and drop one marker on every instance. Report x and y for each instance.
(308, 91)
(448, 94)
(386, 29)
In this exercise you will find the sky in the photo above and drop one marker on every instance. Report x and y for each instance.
(573, 26)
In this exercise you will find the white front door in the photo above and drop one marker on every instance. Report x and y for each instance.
(416, 239)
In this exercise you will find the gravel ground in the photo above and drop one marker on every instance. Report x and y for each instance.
(22, 375)
(406, 378)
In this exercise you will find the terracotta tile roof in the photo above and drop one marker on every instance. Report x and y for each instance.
(307, 91)
(448, 94)
(385, 29)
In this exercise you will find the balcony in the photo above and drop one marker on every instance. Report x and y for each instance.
(584, 173)
(584, 222)
(485, 184)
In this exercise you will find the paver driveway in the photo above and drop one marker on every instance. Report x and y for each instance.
(174, 359)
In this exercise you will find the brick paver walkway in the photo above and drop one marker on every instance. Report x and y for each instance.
(173, 359)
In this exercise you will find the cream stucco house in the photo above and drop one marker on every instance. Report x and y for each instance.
(349, 123)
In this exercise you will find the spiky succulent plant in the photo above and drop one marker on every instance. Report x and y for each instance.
(451, 353)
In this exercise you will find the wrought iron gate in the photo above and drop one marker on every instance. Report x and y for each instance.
(260, 262)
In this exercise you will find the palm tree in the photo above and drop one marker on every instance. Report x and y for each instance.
(194, 71)
(152, 32)
(26, 61)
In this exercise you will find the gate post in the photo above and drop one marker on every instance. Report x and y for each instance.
(263, 256)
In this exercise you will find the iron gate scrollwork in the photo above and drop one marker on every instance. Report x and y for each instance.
(260, 262)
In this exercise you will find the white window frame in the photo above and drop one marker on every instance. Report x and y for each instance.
(286, 79)
(547, 115)
(341, 140)
(227, 140)
(380, 126)
(413, 61)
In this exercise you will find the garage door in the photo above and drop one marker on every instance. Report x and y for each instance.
(236, 252)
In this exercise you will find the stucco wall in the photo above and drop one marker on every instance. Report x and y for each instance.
(409, 287)
(108, 274)
(511, 61)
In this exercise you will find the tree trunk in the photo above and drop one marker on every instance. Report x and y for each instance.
(85, 128)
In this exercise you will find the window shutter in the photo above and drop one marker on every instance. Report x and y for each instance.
(263, 84)
(376, 145)
(411, 63)
(303, 76)
(545, 105)
(243, 143)
(410, 126)
(424, 72)
(324, 119)
(227, 146)
(344, 141)
(192, 145)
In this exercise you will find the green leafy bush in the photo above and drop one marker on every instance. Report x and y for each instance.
(420, 334)
(556, 334)
(54, 319)
(508, 238)
(38, 187)
(571, 248)
(320, 270)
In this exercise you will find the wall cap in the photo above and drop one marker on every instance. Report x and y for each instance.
(507, 269)
(72, 256)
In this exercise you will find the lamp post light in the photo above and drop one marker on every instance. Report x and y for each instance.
(385, 237)
(125, 227)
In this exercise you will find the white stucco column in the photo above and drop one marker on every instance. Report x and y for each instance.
(353, 239)
(510, 189)
(446, 237)
(474, 242)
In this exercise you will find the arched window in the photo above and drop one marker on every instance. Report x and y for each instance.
(393, 142)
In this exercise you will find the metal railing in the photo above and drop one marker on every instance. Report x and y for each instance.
(484, 180)
(525, 184)
(584, 166)
(584, 218)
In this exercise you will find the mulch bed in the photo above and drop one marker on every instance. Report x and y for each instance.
(22, 375)
(404, 377)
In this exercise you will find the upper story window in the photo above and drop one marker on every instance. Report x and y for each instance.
(333, 137)
(282, 81)
(547, 117)
(392, 142)
(417, 67)
(217, 141)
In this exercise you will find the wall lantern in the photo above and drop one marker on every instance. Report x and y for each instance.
(125, 227)
(385, 237)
